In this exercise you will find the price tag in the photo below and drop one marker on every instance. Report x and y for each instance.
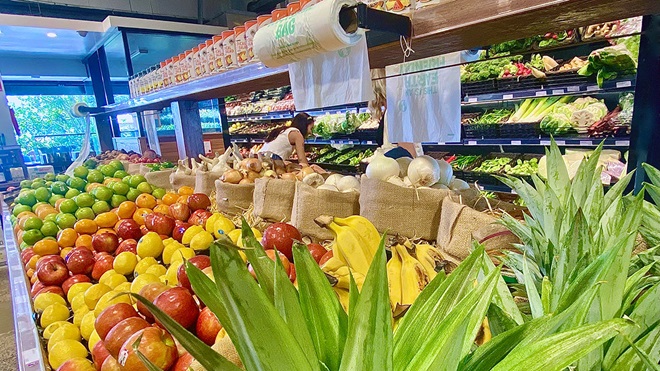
(507, 96)
(573, 88)
(592, 88)
(557, 91)
(624, 84)
(30, 356)
(560, 142)
(472, 100)
(516, 142)
(622, 143)
(472, 142)
(369, 142)
(586, 143)
(541, 93)
(544, 142)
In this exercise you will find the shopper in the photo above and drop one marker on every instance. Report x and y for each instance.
(281, 142)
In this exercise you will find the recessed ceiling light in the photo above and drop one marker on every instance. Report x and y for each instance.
(51, 34)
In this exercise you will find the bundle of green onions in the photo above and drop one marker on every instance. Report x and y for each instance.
(535, 109)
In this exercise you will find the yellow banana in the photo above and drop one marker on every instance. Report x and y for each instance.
(365, 229)
(429, 257)
(348, 246)
(394, 278)
(344, 279)
(343, 296)
(413, 276)
(332, 265)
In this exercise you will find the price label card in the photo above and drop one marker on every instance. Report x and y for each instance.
(472, 142)
(592, 88)
(545, 143)
(573, 89)
(586, 143)
(369, 142)
(622, 143)
(541, 93)
(31, 356)
(624, 84)
(516, 142)
(560, 142)
(557, 91)
(507, 96)
(472, 100)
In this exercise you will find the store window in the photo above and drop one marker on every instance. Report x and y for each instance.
(49, 129)
(209, 114)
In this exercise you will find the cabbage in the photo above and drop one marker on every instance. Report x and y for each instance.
(556, 123)
(599, 110)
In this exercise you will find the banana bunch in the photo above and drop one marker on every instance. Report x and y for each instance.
(356, 241)
(339, 275)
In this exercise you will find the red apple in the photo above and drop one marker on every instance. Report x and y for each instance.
(326, 257)
(121, 332)
(208, 326)
(159, 223)
(317, 251)
(74, 364)
(154, 343)
(180, 211)
(54, 289)
(271, 254)
(179, 230)
(102, 265)
(80, 261)
(150, 292)
(111, 316)
(129, 245)
(27, 254)
(199, 201)
(73, 280)
(281, 236)
(36, 287)
(183, 363)
(49, 258)
(199, 261)
(128, 229)
(179, 304)
(199, 217)
(99, 354)
(107, 242)
(52, 273)
(111, 364)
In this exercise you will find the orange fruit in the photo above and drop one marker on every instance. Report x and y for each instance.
(106, 230)
(108, 180)
(186, 191)
(23, 214)
(46, 247)
(58, 203)
(65, 251)
(140, 214)
(67, 237)
(163, 209)
(19, 236)
(30, 272)
(21, 221)
(17, 228)
(146, 200)
(84, 240)
(32, 263)
(183, 199)
(170, 198)
(42, 213)
(106, 220)
(126, 209)
(91, 186)
(85, 226)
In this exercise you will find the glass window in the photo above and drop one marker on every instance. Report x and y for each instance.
(209, 114)
(47, 125)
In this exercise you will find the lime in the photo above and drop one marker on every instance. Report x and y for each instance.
(116, 164)
(20, 208)
(95, 176)
(23, 246)
(77, 183)
(62, 178)
(158, 193)
(49, 176)
(50, 218)
(47, 184)
(27, 198)
(84, 200)
(133, 194)
(35, 206)
(54, 199)
(65, 220)
(80, 172)
(37, 183)
(135, 180)
(85, 213)
(107, 170)
(100, 207)
(102, 193)
(144, 187)
(26, 183)
(49, 229)
(71, 193)
(68, 206)
(33, 223)
(42, 194)
(59, 188)
(126, 179)
(32, 236)
(116, 200)
(120, 188)
(120, 174)
(90, 164)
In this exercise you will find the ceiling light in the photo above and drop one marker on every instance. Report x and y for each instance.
(51, 34)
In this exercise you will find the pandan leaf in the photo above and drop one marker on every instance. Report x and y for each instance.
(353, 292)
(558, 351)
(631, 360)
(326, 320)
(207, 357)
(558, 179)
(650, 364)
(502, 297)
(552, 218)
(618, 188)
(369, 339)
(575, 245)
(532, 292)
(593, 206)
(653, 191)
(652, 173)
(583, 179)
(532, 198)
(147, 363)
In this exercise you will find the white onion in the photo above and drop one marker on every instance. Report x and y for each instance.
(439, 185)
(458, 184)
(424, 171)
(404, 162)
(382, 168)
(348, 183)
(407, 182)
(313, 180)
(446, 172)
(396, 181)
(333, 179)
(328, 187)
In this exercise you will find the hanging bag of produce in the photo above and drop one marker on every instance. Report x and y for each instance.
(205, 181)
(160, 178)
(273, 199)
(144, 169)
(309, 203)
(133, 169)
(179, 180)
(409, 212)
(233, 199)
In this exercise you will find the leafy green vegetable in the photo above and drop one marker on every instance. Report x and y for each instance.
(610, 62)
(492, 117)
(494, 165)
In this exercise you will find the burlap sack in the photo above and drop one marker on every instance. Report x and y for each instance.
(412, 213)
(133, 169)
(126, 164)
(273, 199)
(205, 181)
(144, 169)
(180, 180)
(160, 178)
(309, 203)
(460, 224)
(233, 199)
(473, 198)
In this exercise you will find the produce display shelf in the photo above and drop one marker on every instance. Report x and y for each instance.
(280, 115)
(30, 356)
(591, 88)
(355, 142)
(343, 169)
(354, 108)
(577, 142)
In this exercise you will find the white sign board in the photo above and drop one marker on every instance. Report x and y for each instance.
(424, 106)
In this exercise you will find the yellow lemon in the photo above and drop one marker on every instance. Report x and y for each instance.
(65, 350)
(106, 276)
(87, 325)
(110, 298)
(63, 333)
(169, 250)
(182, 254)
(94, 293)
(168, 241)
(53, 313)
(93, 339)
(142, 280)
(46, 299)
(76, 289)
(143, 264)
(201, 241)
(190, 233)
(78, 316)
(210, 222)
(115, 280)
(125, 263)
(150, 245)
(124, 287)
(170, 276)
(157, 270)
(222, 224)
(50, 330)
(78, 302)
(234, 235)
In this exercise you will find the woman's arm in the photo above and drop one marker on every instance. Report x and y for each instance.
(298, 141)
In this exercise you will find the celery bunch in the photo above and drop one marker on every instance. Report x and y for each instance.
(535, 109)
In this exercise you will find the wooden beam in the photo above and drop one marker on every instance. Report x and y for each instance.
(465, 24)
(187, 129)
